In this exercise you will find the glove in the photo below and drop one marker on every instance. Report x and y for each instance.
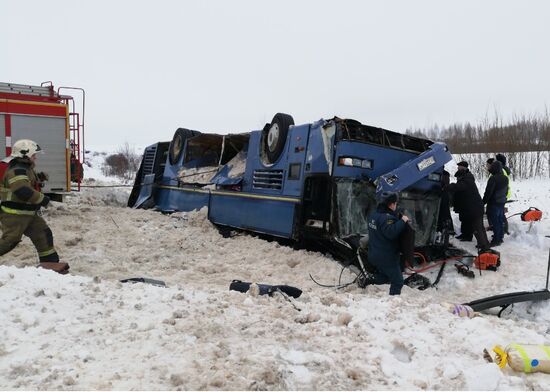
(42, 176)
(45, 201)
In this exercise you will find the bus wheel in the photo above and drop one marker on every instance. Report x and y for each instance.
(274, 136)
(178, 141)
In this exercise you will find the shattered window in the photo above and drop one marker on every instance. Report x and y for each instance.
(354, 200)
(204, 150)
(353, 130)
(423, 210)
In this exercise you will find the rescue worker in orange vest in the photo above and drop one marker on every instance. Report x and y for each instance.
(21, 200)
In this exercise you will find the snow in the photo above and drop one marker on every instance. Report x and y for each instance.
(237, 165)
(199, 175)
(86, 330)
(93, 168)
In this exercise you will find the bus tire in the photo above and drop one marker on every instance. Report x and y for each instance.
(178, 143)
(274, 136)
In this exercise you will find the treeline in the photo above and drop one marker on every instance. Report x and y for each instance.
(526, 164)
(525, 141)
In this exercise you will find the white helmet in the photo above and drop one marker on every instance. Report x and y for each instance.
(24, 148)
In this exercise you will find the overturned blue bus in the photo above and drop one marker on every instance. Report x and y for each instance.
(311, 182)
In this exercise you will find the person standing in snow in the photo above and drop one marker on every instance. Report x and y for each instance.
(508, 173)
(21, 200)
(383, 247)
(502, 159)
(444, 220)
(505, 170)
(495, 197)
(469, 206)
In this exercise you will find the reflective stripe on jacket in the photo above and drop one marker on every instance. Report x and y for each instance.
(18, 193)
(509, 192)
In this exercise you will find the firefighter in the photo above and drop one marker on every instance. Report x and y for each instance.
(21, 200)
(469, 206)
(383, 248)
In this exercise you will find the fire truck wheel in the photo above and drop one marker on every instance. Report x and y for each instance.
(178, 142)
(274, 136)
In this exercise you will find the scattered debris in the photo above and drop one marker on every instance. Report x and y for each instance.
(418, 281)
(265, 289)
(527, 358)
(465, 270)
(154, 282)
(461, 310)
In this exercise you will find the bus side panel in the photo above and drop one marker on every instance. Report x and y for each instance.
(180, 199)
(49, 134)
(320, 150)
(260, 215)
(296, 156)
(383, 160)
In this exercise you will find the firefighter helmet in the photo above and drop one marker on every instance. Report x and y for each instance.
(24, 148)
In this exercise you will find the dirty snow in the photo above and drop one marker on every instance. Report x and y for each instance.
(199, 175)
(88, 331)
(237, 165)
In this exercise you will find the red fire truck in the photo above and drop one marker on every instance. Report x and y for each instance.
(44, 115)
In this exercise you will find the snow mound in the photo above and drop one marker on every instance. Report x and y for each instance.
(86, 330)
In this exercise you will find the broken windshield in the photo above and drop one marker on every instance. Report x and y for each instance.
(422, 209)
(354, 199)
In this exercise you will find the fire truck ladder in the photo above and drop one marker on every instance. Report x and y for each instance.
(76, 134)
(43, 92)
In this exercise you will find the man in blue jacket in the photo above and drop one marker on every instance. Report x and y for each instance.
(383, 248)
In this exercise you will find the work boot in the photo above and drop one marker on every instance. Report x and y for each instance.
(61, 268)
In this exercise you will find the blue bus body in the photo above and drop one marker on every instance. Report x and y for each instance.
(322, 185)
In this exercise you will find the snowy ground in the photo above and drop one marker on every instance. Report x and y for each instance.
(88, 331)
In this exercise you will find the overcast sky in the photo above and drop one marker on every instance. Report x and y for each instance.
(149, 67)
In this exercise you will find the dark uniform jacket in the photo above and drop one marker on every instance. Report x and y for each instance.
(384, 230)
(465, 195)
(445, 203)
(19, 192)
(497, 185)
(502, 159)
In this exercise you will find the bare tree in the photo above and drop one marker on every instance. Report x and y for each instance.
(123, 164)
(525, 140)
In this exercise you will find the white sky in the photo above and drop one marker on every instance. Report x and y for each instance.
(149, 67)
